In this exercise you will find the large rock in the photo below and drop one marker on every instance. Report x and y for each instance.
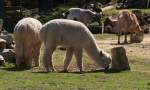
(2, 61)
(9, 55)
(110, 25)
(119, 59)
(8, 38)
(2, 44)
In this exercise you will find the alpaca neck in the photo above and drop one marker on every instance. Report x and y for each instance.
(93, 51)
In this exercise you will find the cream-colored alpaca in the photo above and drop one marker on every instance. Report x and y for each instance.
(73, 35)
(127, 23)
(27, 43)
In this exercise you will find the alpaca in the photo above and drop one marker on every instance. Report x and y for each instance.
(127, 23)
(85, 16)
(75, 37)
(27, 43)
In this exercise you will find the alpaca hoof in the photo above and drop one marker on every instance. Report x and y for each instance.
(81, 72)
(36, 65)
(107, 68)
(53, 70)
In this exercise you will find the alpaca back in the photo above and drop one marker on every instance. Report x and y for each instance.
(26, 31)
(127, 22)
(66, 33)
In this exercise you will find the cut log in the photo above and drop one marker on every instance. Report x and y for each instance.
(137, 38)
(119, 59)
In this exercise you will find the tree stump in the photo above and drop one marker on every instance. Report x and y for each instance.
(137, 38)
(119, 59)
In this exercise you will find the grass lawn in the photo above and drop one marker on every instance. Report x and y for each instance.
(136, 79)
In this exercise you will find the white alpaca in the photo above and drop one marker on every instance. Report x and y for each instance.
(73, 35)
(85, 16)
(27, 43)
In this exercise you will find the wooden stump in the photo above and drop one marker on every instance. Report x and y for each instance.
(119, 59)
(137, 38)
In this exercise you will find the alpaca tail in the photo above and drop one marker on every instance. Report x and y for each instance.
(19, 37)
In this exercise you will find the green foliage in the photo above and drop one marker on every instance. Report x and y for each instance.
(56, 13)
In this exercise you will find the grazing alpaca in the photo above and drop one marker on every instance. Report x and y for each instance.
(27, 42)
(127, 23)
(73, 35)
(85, 16)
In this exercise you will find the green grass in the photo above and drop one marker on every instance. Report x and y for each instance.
(136, 79)
(26, 80)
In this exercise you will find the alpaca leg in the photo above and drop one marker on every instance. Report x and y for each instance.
(47, 58)
(28, 57)
(78, 55)
(68, 58)
(131, 35)
(36, 53)
(119, 37)
(19, 56)
(125, 38)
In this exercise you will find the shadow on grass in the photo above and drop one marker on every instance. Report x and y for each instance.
(96, 71)
(14, 68)
(77, 72)
(73, 72)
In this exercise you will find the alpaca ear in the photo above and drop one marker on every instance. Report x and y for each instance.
(101, 53)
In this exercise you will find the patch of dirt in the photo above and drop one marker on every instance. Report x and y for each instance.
(143, 46)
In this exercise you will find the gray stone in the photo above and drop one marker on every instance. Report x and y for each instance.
(2, 44)
(9, 55)
(2, 61)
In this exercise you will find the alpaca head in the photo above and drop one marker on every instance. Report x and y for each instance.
(105, 59)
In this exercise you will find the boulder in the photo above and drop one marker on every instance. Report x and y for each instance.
(2, 44)
(9, 55)
(8, 38)
(2, 61)
(110, 25)
(119, 59)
